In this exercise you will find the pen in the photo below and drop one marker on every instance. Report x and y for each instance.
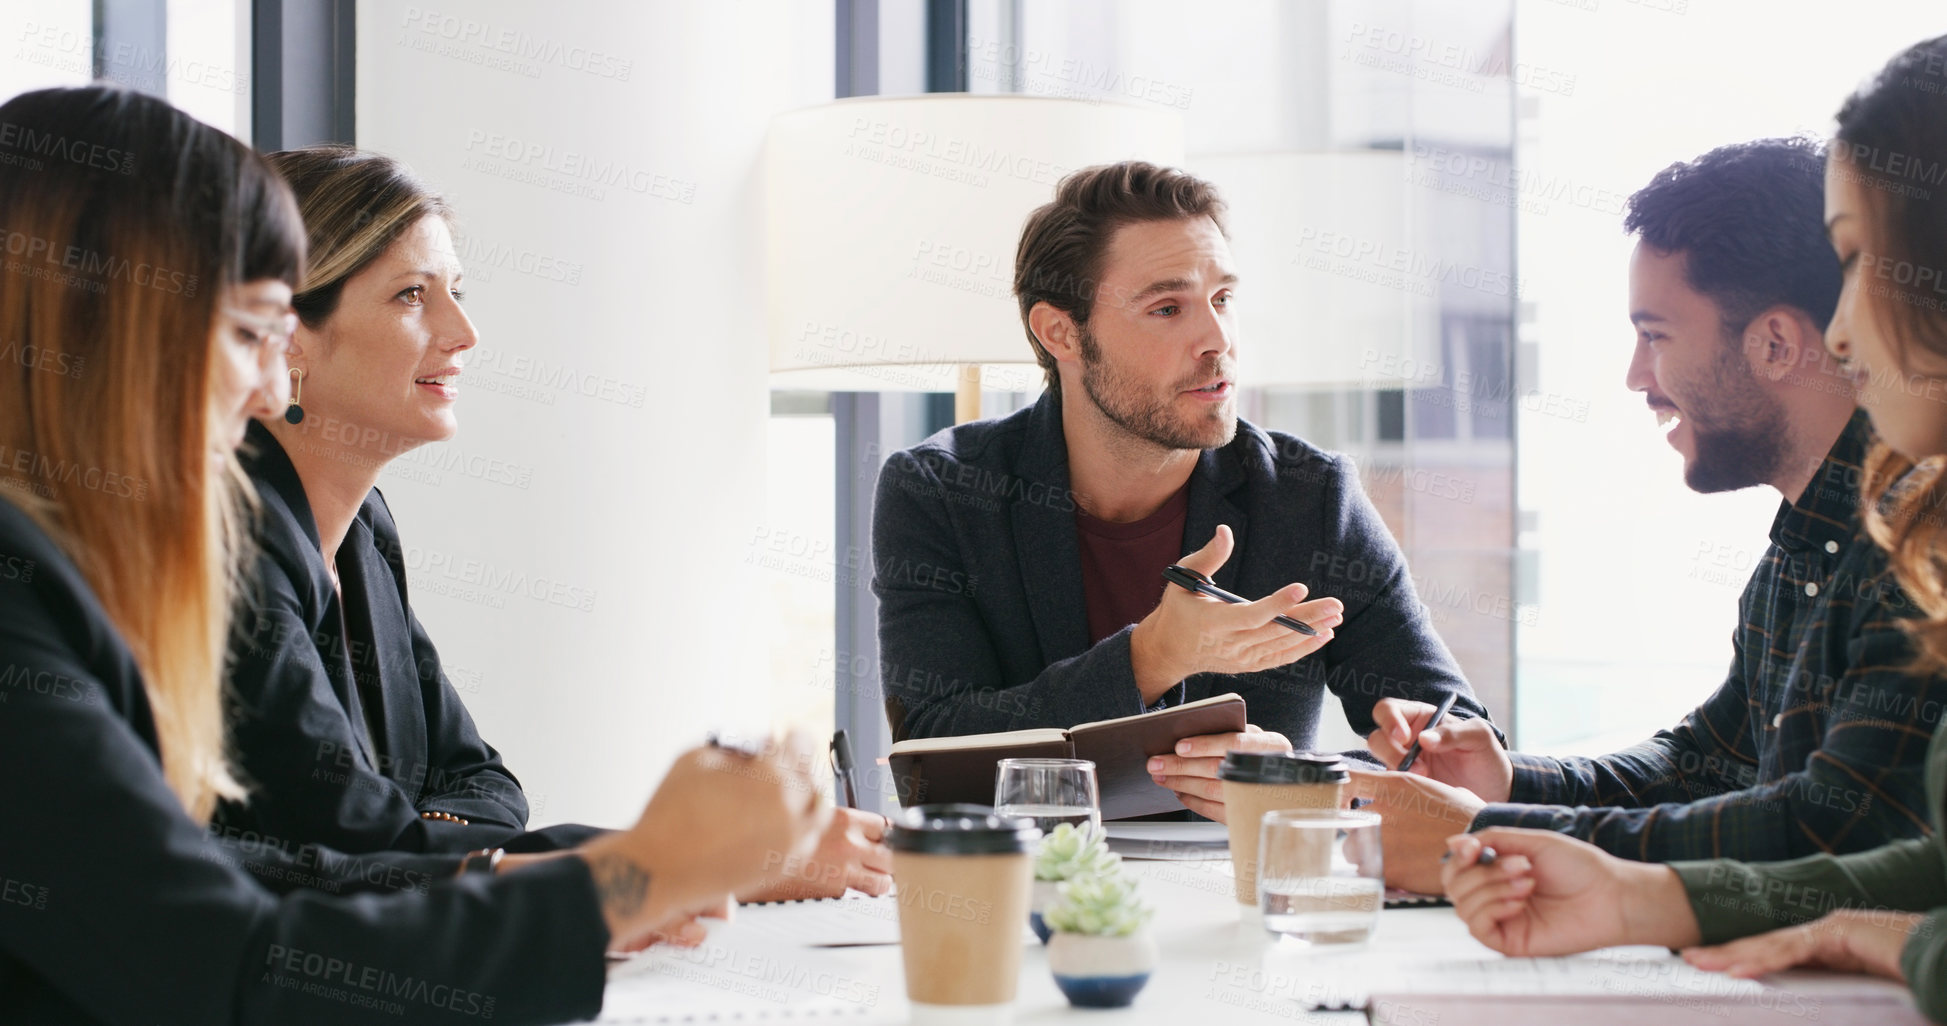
(1487, 857)
(842, 762)
(1439, 713)
(740, 746)
(1184, 577)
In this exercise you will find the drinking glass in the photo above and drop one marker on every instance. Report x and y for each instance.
(1320, 878)
(1048, 791)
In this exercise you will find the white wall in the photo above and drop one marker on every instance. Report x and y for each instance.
(621, 373)
(47, 44)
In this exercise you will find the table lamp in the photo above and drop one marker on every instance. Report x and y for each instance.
(892, 225)
(1334, 292)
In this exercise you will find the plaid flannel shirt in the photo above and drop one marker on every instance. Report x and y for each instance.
(1815, 742)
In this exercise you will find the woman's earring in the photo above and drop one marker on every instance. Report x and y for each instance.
(294, 414)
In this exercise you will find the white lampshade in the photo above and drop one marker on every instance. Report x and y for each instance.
(1333, 292)
(893, 225)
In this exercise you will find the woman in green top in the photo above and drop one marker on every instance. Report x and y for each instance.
(1882, 911)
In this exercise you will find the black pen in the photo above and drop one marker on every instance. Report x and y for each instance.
(1488, 856)
(842, 762)
(749, 749)
(1439, 713)
(1184, 577)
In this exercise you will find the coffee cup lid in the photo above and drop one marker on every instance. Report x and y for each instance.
(960, 829)
(1283, 768)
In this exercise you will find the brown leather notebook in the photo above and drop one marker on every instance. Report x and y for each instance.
(961, 769)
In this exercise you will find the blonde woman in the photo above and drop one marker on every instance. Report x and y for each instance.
(157, 301)
(1550, 894)
(347, 724)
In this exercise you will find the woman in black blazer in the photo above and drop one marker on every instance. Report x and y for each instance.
(345, 724)
(346, 721)
(150, 286)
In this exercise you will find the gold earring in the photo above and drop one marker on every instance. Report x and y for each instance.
(294, 414)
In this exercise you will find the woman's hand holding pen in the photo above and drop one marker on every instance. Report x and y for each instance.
(1187, 633)
(719, 822)
(683, 933)
(1549, 894)
(1461, 751)
(851, 854)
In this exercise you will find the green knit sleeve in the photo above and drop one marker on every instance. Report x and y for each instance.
(1924, 960)
(1736, 899)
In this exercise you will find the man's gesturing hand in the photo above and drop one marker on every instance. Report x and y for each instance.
(1189, 633)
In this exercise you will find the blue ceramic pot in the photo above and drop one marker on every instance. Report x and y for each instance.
(1101, 972)
(1044, 892)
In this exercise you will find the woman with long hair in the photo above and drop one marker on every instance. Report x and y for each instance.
(347, 727)
(1549, 894)
(153, 291)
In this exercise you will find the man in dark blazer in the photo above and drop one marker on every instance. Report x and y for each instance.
(1018, 561)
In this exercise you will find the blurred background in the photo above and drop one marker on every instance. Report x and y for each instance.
(654, 519)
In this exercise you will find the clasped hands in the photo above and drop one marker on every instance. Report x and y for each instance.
(1550, 894)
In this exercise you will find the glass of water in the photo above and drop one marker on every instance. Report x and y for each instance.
(1320, 878)
(1048, 791)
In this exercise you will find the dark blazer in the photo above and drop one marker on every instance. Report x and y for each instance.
(117, 908)
(346, 727)
(978, 572)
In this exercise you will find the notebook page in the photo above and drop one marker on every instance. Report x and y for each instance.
(830, 922)
(1639, 976)
(740, 975)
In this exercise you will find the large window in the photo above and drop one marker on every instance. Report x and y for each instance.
(1407, 83)
(1636, 578)
(1257, 80)
(1587, 593)
(193, 53)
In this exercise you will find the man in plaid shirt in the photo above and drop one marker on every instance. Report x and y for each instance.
(1816, 740)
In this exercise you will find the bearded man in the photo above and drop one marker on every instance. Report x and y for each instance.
(1814, 741)
(1018, 562)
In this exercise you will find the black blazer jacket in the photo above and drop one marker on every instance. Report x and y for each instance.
(982, 625)
(346, 727)
(117, 908)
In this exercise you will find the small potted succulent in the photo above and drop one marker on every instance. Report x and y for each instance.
(1101, 953)
(1067, 854)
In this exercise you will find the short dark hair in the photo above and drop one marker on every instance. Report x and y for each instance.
(1750, 221)
(1063, 245)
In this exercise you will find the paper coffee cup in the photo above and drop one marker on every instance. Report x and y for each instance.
(1259, 782)
(963, 876)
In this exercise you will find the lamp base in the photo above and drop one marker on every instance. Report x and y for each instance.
(966, 396)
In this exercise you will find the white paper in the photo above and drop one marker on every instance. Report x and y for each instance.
(1165, 841)
(1198, 832)
(833, 922)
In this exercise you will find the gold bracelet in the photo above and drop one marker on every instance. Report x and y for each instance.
(444, 817)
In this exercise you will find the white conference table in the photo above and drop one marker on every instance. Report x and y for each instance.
(1214, 967)
(1218, 967)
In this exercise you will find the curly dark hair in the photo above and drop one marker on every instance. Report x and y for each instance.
(1750, 221)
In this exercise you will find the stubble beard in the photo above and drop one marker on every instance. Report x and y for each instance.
(1147, 417)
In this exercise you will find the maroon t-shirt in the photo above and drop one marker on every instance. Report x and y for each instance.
(1122, 564)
